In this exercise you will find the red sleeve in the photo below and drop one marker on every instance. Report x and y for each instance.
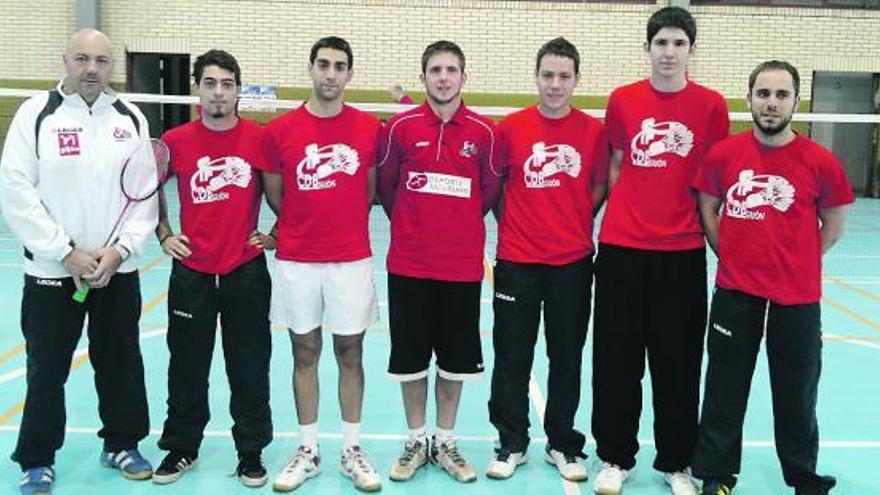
(601, 158)
(374, 128)
(173, 153)
(271, 151)
(388, 166)
(834, 186)
(491, 172)
(719, 126)
(259, 160)
(708, 178)
(504, 141)
(615, 129)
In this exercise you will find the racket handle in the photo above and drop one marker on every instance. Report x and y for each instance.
(80, 295)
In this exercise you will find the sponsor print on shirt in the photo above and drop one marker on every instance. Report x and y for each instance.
(658, 138)
(68, 143)
(443, 184)
(207, 184)
(547, 161)
(752, 192)
(321, 162)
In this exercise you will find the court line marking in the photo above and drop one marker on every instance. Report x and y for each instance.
(397, 437)
(852, 314)
(843, 283)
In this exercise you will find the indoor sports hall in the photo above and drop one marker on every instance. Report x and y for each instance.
(833, 43)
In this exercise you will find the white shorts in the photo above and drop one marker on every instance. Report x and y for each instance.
(338, 296)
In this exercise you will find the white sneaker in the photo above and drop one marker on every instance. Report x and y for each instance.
(569, 466)
(505, 463)
(681, 482)
(414, 456)
(446, 455)
(610, 480)
(303, 465)
(356, 466)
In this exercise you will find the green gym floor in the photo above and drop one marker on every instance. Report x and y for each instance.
(849, 403)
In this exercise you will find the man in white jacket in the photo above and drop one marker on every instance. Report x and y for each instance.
(60, 193)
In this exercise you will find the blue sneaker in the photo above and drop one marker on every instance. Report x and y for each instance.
(130, 462)
(37, 481)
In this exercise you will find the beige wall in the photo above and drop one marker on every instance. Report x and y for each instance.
(271, 38)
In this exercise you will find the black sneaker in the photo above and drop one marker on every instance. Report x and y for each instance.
(716, 488)
(173, 466)
(251, 471)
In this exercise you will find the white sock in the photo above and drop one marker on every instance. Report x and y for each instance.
(418, 434)
(350, 434)
(443, 436)
(309, 436)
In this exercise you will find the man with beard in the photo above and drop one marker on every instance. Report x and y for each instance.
(218, 267)
(322, 187)
(437, 179)
(781, 198)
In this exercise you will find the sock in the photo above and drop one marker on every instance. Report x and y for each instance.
(442, 435)
(309, 436)
(418, 434)
(350, 434)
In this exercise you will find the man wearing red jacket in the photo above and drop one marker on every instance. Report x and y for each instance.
(437, 179)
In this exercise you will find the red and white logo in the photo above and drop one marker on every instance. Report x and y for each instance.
(68, 143)
(121, 134)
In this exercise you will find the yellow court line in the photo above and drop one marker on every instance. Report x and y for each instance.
(852, 314)
(863, 292)
(490, 273)
(846, 337)
(12, 352)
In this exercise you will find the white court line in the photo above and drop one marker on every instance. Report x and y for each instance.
(539, 402)
(20, 372)
(858, 342)
(398, 437)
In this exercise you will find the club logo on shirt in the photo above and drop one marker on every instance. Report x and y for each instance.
(68, 143)
(658, 138)
(212, 176)
(752, 192)
(547, 161)
(121, 134)
(468, 149)
(443, 184)
(321, 162)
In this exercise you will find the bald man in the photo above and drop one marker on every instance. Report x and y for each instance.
(59, 192)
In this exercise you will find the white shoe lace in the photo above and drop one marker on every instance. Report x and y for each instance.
(297, 464)
(610, 473)
(358, 463)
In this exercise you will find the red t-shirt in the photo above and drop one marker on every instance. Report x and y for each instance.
(664, 137)
(220, 192)
(436, 181)
(768, 239)
(324, 163)
(552, 165)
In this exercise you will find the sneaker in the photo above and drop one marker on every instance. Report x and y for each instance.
(447, 456)
(823, 487)
(414, 456)
(610, 480)
(251, 471)
(505, 463)
(354, 464)
(172, 467)
(303, 465)
(681, 482)
(569, 466)
(37, 481)
(716, 488)
(130, 462)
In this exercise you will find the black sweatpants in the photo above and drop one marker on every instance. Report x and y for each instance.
(520, 291)
(654, 303)
(794, 355)
(242, 300)
(52, 324)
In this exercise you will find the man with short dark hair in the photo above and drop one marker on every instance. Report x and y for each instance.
(772, 203)
(322, 184)
(60, 194)
(438, 177)
(218, 268)
(651, 266)
(556, 161)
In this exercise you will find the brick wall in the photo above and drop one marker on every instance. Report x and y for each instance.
(271, 38)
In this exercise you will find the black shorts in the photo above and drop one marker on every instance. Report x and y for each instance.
(434, 316)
